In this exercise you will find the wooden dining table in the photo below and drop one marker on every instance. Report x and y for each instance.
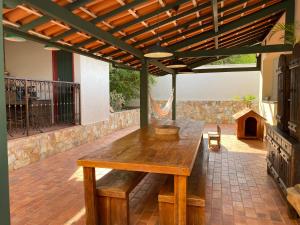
(145, 151)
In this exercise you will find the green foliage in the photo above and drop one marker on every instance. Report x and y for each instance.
(126, 83)
(236, 59)
(117, 100)
(247, 99)
(287, 31)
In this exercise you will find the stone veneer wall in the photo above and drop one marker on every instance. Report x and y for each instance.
(24, 151)
(210, 111)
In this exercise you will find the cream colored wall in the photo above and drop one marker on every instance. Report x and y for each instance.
(269, 64)
(209, 86)
(28, 60)
(93, 76)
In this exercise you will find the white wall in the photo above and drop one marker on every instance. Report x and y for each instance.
(28, 60)
(209, 86)
(93, 76)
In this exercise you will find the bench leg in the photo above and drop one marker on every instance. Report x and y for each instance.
(292, 212)
(180, 200)
(90, 196)
(113, 210)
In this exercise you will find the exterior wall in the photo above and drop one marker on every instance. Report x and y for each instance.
(28, 60)
(209, 111)
(268, 105)
(209, 97)
(24, 151)
(93, 76)
(209, 86)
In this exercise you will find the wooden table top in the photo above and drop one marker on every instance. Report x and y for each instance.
(143, 150)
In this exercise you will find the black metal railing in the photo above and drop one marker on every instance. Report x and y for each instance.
(35, 106)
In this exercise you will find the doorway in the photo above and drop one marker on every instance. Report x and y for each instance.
(250, 127)
(63, 71)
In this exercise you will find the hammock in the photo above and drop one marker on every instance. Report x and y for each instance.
(164, 111)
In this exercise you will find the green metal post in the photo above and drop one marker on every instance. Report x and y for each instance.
(174, 96)
(144, 94)
(4, 190)
(290, 17)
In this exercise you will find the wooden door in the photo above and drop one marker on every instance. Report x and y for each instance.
(63, 70)
(283, 107)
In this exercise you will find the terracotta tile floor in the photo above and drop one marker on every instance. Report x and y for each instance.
(238, 188)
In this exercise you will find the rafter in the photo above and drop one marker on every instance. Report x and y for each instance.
(197, 28)
(231, 26)
(45, 18)
(214, 4)
(101, 18)
(164, 22)
(162, 66)
(141, 18)
(55, 11)
(236, 51)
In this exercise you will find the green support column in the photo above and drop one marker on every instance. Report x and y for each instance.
(290, 16)
(144, 95)
(174, 96)
(4, 190)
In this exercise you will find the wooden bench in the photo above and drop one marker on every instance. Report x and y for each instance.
(195, 194)
(113, 196)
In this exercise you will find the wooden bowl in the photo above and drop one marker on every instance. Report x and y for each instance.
(166, 130)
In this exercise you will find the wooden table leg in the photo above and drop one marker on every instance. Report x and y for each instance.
(180, 200)
(91, 211)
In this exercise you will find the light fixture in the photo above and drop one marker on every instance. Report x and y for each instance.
(14, 38)
(158, 52)
(186, 70)
(51, 48)
(176, 64)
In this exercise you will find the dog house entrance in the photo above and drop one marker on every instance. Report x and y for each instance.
(251, 127)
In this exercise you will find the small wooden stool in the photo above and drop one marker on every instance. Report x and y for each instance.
(215, 136)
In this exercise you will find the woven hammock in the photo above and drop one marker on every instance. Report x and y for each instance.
(162, 111)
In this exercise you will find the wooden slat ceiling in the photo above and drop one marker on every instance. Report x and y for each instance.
(146, 23)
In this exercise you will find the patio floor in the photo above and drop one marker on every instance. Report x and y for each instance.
(238, 190)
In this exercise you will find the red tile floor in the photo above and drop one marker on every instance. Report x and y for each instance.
(238, 189)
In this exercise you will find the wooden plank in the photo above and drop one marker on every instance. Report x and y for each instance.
(263, 13)
(57, 12)
(180, 200)
(236, 51)
(90, 193)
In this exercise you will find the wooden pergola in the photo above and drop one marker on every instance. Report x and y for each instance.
(121, 31)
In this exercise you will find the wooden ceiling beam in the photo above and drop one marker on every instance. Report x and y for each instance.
(214, 4)
(141, 18)
(231, 26)
(45, 18)
(195, 29)
(57, 12)
(101, 18)
(45, 41)
(162, 66)
(236, 51)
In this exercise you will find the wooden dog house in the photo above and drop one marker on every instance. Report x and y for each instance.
(250, 125)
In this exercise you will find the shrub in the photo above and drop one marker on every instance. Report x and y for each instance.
(117, 100)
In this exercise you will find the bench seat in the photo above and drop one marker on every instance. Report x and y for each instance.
(195, 193)
(112, 192)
